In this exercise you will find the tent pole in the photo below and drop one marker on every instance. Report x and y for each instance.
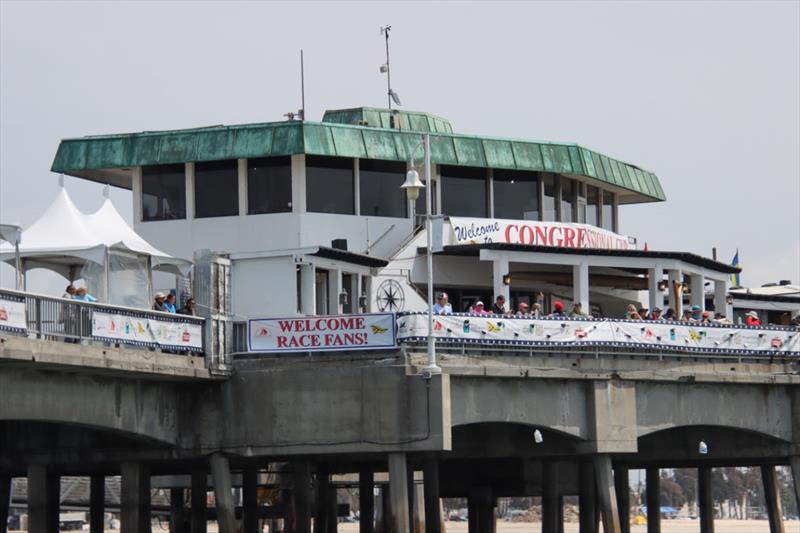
(18, 265)
(108, 292)
(149, 278)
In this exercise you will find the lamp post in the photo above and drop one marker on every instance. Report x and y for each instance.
(412, 186)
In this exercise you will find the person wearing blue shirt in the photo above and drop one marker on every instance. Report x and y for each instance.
(83, 295)
(169, 304)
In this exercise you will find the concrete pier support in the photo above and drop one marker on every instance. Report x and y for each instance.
(550, 498)
(623, 489)
(433, 508)
(250, 520)
(772, 497)
(398, 493)
(705, 499)
(653, 491)
(481, 510)
(177, 510)
(301, 497)
(586, 498)
(97, 503)
(221, 473)
(794, 462)
(5, 499)
(606, 496)
(366, 500)
(135, 498)
(43, 496)
(199, 520)
(321, 511)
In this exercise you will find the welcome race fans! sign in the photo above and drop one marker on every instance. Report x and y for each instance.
(536, 233)
(322, 333)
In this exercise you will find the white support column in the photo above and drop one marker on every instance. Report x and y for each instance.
(500, 269)
(580, 286)
(189, 191)
(308, 290)
(356, 294)
(490, 192)
(136, 190)
(697, 285)
(368, 292)
(615, 213)
(298, 183)
(721, 298)
(436, 178)
(357, 185)
(674, 276)
(242, 173)
(334, 289)
(655, 275)
(600, 208)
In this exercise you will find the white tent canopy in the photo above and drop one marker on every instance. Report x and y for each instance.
(100, 244)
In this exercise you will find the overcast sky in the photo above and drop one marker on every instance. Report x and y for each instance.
(706, 95)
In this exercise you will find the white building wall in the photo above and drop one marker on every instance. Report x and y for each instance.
(264, 287)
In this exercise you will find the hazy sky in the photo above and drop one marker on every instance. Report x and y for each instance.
(706, 95)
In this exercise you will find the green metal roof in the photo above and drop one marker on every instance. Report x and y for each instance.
(380, 118)
(100, 158)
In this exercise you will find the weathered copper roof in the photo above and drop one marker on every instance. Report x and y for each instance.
(100, 157)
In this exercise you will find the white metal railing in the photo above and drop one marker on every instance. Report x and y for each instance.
(74, 321)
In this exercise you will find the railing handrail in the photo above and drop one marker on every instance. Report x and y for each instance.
(101, 305)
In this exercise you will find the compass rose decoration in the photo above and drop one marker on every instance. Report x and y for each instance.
(391, 297)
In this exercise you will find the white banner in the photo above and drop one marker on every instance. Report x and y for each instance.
(536, 233)
(322, 333)
(12, 315)
(511, 330)
(147, 331)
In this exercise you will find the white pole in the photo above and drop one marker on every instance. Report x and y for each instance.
(432, 367)
(108, 285)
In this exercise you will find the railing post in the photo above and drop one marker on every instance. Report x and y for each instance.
(38, 317)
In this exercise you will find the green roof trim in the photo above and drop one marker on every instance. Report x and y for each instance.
(79, 156)
(375, 117)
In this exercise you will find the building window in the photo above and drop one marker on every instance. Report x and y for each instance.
(567, 199)
(549, 198)
(379, 188)
(164, 192)
(269, 185)
(592, 200)
(216, 189)
(464, 191)
(516, 195)
(608, 211)
(330, 185)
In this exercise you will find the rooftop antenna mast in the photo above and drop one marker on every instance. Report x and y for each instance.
(390, 94)
(302, 112)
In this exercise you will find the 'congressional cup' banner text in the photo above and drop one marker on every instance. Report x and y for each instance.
(322, 333)
(536, 233)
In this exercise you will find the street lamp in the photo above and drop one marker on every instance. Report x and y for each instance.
(412, 186)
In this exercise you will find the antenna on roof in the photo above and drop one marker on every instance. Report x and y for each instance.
(301, 113)
(391, 95)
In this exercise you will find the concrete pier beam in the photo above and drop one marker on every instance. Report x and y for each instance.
(653, 491)
(623, 489)
(705, 499)
(366, 500)
(606, 496)
(794, 462)
(5, 499)
(250, 519)
(772, 497)
(550, 497)
(43, 496)
(199, 521)
(177, 511)
(586, 498)
(221, 473)
(433, 508)
(301, 497)
(398, 492)
(135, 498)
(481, 510)
(97, 503)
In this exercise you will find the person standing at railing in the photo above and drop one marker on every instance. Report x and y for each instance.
(169, 304)
(69, 292)
(189, 308)
(558, 309)
(577, 311)
(83, 295)
(499, 306)
(523, 309)
(158, 303)
(442, 305)
(751, 318)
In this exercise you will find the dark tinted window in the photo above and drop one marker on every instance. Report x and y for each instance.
(516, 195)
(216, 189)
(269, 185)
(379, 187)
(329, 185)
(567, 199)
(549, 200)
(592, 199)
(608, 211)
(163, 192)
(463, 191)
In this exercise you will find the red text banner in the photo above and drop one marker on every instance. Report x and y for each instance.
(322, 333)
(536, 233)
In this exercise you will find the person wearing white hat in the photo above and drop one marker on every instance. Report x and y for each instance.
(751, 319)
(158, 303)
